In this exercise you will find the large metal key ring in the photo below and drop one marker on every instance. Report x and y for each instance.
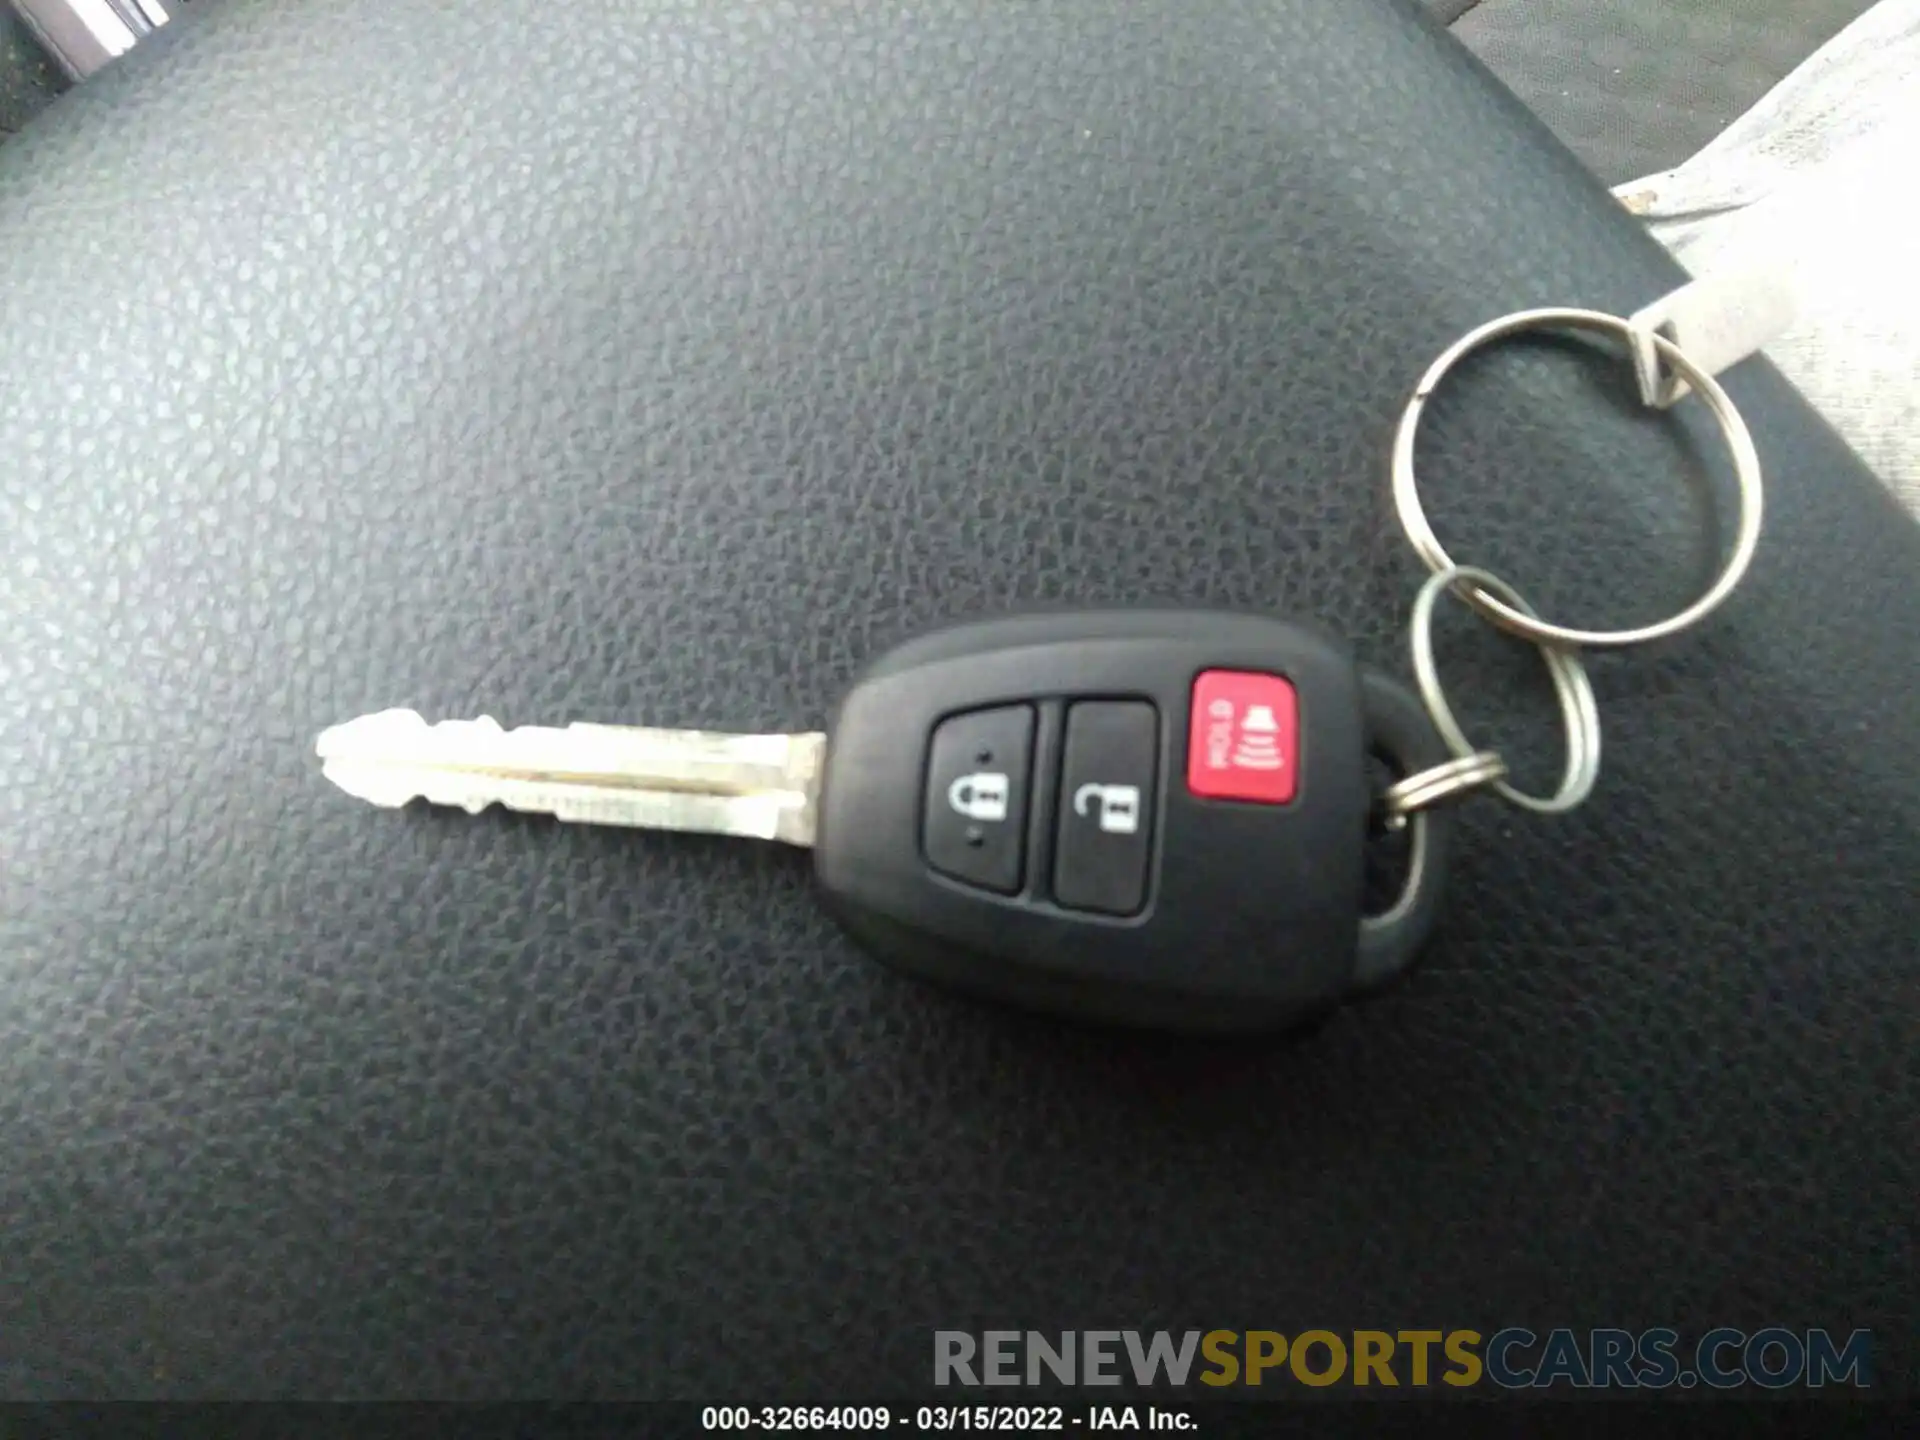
(1487, 599)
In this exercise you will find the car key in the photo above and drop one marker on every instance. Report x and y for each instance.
(1144, 817)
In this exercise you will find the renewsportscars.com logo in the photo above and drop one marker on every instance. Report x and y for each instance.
(1515, 1358)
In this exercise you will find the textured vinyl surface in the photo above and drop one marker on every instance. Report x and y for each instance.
(1636, 86)
(661, 361)
(1631, 86)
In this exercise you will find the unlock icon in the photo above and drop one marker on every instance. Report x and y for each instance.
(980, 796)
(1118, 806)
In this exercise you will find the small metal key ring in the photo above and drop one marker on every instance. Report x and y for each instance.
(1570, 683)
(1515, 618)
(1441, 783)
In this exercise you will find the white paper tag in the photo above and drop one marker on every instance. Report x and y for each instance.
(1719, 321)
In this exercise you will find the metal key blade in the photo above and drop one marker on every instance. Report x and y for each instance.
(760, 786)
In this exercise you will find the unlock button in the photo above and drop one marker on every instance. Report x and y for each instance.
(974, 820)
(1104, 836)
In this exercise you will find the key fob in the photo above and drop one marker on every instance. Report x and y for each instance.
(1152, 818)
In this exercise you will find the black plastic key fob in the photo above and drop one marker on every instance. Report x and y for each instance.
(1153, 818)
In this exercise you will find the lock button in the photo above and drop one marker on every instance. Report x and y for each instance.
(1104, 831)
(974, 812)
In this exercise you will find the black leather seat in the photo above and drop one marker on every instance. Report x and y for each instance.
(662, 362)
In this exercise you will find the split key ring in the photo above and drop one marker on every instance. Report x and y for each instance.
(1472, 769)
(1498, 606)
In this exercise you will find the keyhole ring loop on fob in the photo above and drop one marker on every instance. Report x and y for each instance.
(1578, 708)
(1524, 622)
(1398, 729)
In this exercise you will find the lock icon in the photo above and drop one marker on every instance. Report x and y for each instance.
(979, 796)
(1119, 806)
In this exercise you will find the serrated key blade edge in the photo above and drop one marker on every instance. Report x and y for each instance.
(757, 786)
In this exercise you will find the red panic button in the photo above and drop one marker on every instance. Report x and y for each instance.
(1244, 743)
